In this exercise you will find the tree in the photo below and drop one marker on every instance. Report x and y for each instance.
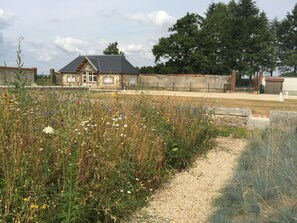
(217, 39)
(112, 49)
(273, 49)
(147, 70)
(252, 37)
(179, 52)
(287, 40)
(236, 36)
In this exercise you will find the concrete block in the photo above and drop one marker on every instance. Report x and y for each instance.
(244, 112)
(258, 123)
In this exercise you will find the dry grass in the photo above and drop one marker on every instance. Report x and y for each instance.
(258, 108)
(64, 159)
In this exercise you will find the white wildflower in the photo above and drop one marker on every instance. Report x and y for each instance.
(83, 123)
(48, 130)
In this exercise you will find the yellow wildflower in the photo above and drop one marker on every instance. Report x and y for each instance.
(34, 206)
(43, 206)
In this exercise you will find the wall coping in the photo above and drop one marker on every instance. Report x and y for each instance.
(244, 112)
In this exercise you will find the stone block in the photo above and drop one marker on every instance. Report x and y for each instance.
(283, 120)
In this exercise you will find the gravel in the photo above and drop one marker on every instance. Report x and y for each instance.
(189, 195)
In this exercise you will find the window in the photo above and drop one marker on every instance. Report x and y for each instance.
(70, 79)
(89, 77)
(108, 80)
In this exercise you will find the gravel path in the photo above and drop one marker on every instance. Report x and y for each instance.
(189, 195)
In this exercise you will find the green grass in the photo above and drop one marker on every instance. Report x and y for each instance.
(264, 188)
(235, 132)
(64, 158)
(43, 80)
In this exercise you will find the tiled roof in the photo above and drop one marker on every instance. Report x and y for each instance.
(103, 64)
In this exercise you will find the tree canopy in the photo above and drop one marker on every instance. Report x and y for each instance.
(234, 36)
(287, 41)
(112, 49)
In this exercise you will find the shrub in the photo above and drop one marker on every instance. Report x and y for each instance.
(64, 158)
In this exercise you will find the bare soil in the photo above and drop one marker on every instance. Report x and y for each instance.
(189, 195)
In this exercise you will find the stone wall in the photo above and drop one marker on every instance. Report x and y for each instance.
(232, 117)
(8, 75)
(185, 82)
(241, 117)
(283, 120)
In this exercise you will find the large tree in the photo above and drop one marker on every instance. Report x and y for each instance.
(251, 35)
(217, 39)
(112, 49)
(179, 52)
(287, 39)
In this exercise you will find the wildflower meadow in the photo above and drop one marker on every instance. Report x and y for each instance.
(66, 158)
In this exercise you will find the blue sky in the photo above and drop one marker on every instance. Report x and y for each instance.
(55, 32)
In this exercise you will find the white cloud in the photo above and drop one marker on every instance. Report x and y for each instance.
(6, 19)
(45, 55)
(42, 52)
(158, 19)
(138, 50)
(70, 45)
(131, 49)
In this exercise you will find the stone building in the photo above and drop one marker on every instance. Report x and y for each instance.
(104, 72)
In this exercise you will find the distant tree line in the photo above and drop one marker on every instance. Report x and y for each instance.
(234, 36)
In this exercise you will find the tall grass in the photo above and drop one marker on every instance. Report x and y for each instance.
(65, 159)
(264, 188)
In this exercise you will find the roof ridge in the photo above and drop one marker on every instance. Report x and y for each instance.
(91, 62)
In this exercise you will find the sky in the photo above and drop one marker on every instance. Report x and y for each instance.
(56, 32)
